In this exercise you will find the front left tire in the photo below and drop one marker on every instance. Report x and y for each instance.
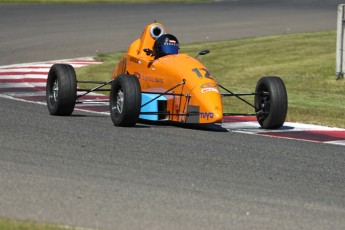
(125, 100)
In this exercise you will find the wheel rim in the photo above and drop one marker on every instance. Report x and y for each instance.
(54, 92)
(264, 104)
(118, 102)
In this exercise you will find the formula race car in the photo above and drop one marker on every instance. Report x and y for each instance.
(153, 81)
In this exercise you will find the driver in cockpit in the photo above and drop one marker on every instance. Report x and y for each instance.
(165, 44)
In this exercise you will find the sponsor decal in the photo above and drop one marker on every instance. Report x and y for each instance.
(206, 115)
(135, 60)
(209, 90)
(170, 43)
(209, 85)
(152, 79)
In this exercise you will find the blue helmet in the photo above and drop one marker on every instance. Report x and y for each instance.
(166, 44)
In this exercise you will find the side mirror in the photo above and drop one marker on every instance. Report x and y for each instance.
(202, 52)
(149, 52)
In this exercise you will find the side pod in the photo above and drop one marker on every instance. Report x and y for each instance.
(153, 107)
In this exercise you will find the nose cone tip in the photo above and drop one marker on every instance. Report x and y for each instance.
(211, 117)
(218, 117)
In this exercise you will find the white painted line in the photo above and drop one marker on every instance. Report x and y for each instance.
(39, 76)
(22, 100)
(22, 85)
(14, 85)
(241, 125)
(305, 127)
(85, 60)
(25, 70)
(336, 142)
(25, 94)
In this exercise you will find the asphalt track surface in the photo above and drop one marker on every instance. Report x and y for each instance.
(83, 171)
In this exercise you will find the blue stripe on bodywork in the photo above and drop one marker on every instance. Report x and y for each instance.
(150, 107)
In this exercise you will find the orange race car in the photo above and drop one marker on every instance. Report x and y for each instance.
(153, 81)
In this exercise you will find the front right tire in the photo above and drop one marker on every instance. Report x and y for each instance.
(61, 90)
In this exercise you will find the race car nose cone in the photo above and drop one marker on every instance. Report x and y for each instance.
(210, 104)
(211, 117)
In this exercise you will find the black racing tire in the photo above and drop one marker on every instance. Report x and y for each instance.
(125, 100)
(61, 90)
(271, 109)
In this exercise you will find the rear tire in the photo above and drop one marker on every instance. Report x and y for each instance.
(271, 108)
(125, 100)
(61, 90)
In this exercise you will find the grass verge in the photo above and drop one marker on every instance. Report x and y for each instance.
(306, 63)
(7, 224)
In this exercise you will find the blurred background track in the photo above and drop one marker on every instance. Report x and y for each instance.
(48, 32)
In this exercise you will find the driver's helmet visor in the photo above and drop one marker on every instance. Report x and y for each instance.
(170, 48)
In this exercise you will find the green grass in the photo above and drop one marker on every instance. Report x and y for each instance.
(306, 63)
(93, 1)
(6, 224)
